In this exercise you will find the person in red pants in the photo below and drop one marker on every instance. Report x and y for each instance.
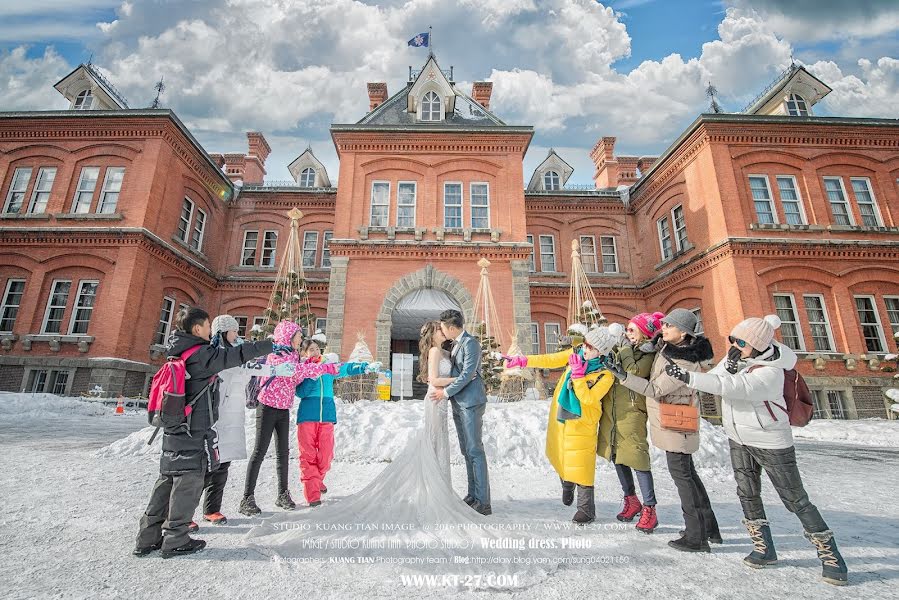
(316, 417)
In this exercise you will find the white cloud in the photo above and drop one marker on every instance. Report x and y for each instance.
(27, 83)
(819, 20)
(874, 94)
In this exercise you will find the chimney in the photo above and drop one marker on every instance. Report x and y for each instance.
(480, 92)
(603, 155)
(258, 145)
(254, 162)
(377, 94)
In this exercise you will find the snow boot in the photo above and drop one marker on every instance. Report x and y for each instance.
(567, 493)
(147, 549)
(586, 505)
(648, 520)
(834, 569)
(192, 527)
(285, 501)
(469, 500)
(324, 489)
(764, 553)
(216, 518)
(483, 509)
(686, 546)
(631, 508)
(314, 504)
(189, 548)
(248, 506)
(714, 537)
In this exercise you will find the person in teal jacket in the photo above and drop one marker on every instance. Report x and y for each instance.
(316, 417)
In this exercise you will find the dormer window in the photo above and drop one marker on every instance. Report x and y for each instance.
(83, 101)
(551, 181)
(307, 177)
(430, 107)
(797, 106)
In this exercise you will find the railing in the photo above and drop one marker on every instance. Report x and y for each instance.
(771, 86)
(96, 73)
(284, 183)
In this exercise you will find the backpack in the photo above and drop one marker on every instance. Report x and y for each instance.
(255, 386)
(167, 406)
(799, 404)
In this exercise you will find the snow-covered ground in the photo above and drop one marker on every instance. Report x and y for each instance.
(75, 479)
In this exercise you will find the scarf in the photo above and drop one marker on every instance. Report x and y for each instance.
(569, 405)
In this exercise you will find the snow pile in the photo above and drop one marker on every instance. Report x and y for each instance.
(15, 406)
(134, 444)
(866, 432)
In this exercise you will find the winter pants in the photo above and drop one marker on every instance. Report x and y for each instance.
(699, 520)
(172, 504)
(647, 487)
(585, 499)
(214, 489)
(269, 421)
(783, 472)
(316, 441)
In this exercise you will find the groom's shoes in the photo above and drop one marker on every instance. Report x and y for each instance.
(469, 500)
(484, 509)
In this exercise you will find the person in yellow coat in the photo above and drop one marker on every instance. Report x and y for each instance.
(574, 414)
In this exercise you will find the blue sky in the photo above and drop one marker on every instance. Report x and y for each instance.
(574, 69)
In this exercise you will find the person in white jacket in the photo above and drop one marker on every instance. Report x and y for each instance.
(750, 381)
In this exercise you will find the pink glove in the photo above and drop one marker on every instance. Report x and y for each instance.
(330, 369)
(578, 366)
(516, 362)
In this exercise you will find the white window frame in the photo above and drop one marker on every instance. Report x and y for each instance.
(76, 201)
(186, 236)
(870, 189)
(39, 188)
(265, 248)
(385, 203)
(846, 202)
(826, 323)
(49, 381)
(877, 322)
(614, 253)
(670, 254)
(533, 259)
(552, 239)
(307, 177)
(7, 305)
(49, 307)
(13, 190)
(413, 205)
(592, 240)
(546, 336)
(796, 321)
(198, 230)
(241, 325)
(472, 206)
(675, 230)
(321, 324)
(260, 321)
(535, 338)
(326, 250)
(792, 104)
(109, 188)
(758, 218)
(75, 308)
(461, 204)
(168, 324)
(431, 113)
(554, 181)
(84, 100)
(244, 249)
(700, 326)
(894, 325)
(307, 236)
(803, 220)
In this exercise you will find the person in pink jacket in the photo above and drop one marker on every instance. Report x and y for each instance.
(273, 416)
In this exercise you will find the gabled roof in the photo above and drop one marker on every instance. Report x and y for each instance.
(308, 159)
(552, 162)
(795, 76)
(88, 71)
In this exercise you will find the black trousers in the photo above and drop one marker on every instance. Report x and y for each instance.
(780, 464)
(214, 489)
(269, 421)
(699, 519)
(171, 508)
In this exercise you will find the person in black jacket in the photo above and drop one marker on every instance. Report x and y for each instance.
(188, 456)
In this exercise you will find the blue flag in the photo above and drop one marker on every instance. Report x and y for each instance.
(420, 40)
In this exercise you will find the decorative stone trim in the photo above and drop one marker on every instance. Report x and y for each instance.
(26, 216)
(863, 229)
(785, 227)
(7, 340)
(157, 351)
(674, 257)
(55, 341)
(430, 250)
(190, 248)
(88, 216)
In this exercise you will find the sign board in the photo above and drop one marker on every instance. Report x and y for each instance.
(401, 385)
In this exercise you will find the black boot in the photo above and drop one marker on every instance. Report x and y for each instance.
(248, 506)
(714, 537)
(834, 569)
(469, 500)
(147, 549)
(684, 545)
(189, 548)
(567, 493)
(586, 507)
(764, 553)
(285, 501)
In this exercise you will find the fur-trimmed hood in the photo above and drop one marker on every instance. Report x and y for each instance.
(696, 350)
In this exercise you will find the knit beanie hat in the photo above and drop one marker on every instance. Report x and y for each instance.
(601, 339)
(223, 323)
(683, 319)
(757, 332)
(649, 324)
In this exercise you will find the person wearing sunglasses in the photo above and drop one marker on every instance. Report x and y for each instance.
(750, 381)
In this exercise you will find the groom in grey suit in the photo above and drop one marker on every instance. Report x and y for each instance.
(469, 400)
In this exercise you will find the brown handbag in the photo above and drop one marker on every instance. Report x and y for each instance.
(679, 417)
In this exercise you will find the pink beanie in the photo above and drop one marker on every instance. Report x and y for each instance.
(649, 324)
(756, 332)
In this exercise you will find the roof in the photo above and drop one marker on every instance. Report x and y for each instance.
(779, 83)
(104, 83)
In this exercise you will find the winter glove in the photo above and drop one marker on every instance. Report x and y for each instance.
(516, 362)
(330, 369)
(373, 367)
(286, 369)
(577, 365)
(614, 367)
(281, 349)
(674, 370)
(732, 364)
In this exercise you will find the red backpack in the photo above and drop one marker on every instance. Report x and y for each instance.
(799, 404)
(167, 406)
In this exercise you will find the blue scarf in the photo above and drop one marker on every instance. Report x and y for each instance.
(569, 405)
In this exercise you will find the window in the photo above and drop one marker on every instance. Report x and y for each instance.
(822, 339)
(84, 194)
(548, 254)
(187, 211)
(84, 307)
(609, 254)
(870, 322)
(789, 199)
(588, 253)
(16, 196)
(796, 106)
(789, 321)
(248, 255)
(109, 193)
(326, 251)
(892, 303)
(665, 238)
(307, 177)
(452, 205)
(310, 247)
(532, 264)
(535, 338)
(196, 239)
(867, 206)
(551, 332)
(321, 325)
(836, 196)
(241, 326)
(83, 101)
(405, 204)
(41, 194)
(680, 227)
(480, 206)
(42, 381)
(380, 203)
(700, 328)
(56, 306)
(269, 248)
(258, 324)
(551, 181)
(761, 196)
(12, 299)
(165, 322)
(430, 107)
(829, 404)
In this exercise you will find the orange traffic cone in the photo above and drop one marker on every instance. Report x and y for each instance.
(120, 406)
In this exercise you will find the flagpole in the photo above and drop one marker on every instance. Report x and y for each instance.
(430, 41)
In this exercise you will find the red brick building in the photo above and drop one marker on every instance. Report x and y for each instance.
(114, 217)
